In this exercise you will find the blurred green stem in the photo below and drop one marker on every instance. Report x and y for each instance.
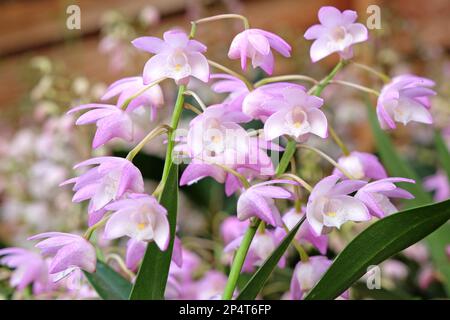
(239, 259)
(170, 136)
(379, 74)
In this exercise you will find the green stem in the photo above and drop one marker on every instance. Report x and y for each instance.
(317, 90)
(338, 141)
(301, 251)
(355, 86)
(88, 234)
(152, 134)
(224, 16)
(384, 77)
(137, 94)
(290, 77)
(196, 98)
(238, 261)
(328, 158)
(286, 158)
(174, 125)
(296, 178)
(231, 72)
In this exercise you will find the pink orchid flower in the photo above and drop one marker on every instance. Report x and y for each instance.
(307, 274)
(110, 180)
(30, 269)
(406, 98)
(305, 233)
(361, 165)
(418, 252)
(125, 88)
(264, 101)
(235, 87)
(258, 201)
(139, 217)
(263, 244)
(209, 287)
(68, 252)
(185, 265)
(181, 273)
(176, 57)
(375, 195)
(298, 116)
(256, 44)
(330, 205)
(337, 32)
(215, 137)
(440, 184)
(135, 253)
(111, 121)
(232, 228)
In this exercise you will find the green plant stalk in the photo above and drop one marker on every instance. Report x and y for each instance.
(325, 81)
(338, 141)
(291, 77)
(174, 125)
(238, 261)
(317, 91)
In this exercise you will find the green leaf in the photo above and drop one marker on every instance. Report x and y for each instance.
(378, 242)
(256, 283)
(438, 241)
(286, 158)
(109, 284)
(152, 277)
(395, 165)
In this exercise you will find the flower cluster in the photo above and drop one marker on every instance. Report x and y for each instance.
(217, 145)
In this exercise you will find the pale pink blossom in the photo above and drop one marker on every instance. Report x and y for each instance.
(111, 121)
(305, 233)
(307, 274)
(406, 98)
(258, 201)
(263, 244)
(176, 57)
(299, 116)
(135, 253)
(330, 205)
(439, 184)
(237, 90)
(256, 44)
(139, 217)
(68, 252)
(375, 195)
(30, 269)
(337, 32)
(232, 228)
(108, 181)
(125, 88)
(361, 165)
(265, 100)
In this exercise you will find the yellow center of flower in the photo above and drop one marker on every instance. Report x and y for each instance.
(216, 139)
(331, 214)
(178, 67)
(338, 33)
(141, 226)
